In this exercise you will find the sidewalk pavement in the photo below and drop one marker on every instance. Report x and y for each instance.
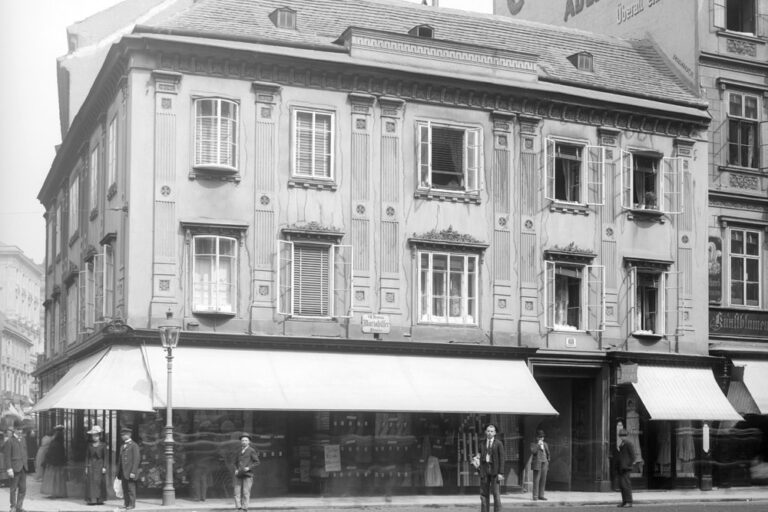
(35, 502)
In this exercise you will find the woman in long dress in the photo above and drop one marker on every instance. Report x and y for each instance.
(55, 477)
(95, 469)
(40, 456)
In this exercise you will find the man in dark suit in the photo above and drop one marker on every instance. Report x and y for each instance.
(539, 465)
(15, 452)
(625, 460)
(491, 469)
(246, 459)
(128, 469)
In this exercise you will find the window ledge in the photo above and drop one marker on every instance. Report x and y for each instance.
(645, 214)
(112, 191)
(572, 208)
(445, 324)
(203, 312)
(647, 336)
(741, 170)
(746, 36)
(314, 183)
(215, 172)
(447, 195)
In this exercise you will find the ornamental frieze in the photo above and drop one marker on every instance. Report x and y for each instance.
(742, 47)
(741, 181)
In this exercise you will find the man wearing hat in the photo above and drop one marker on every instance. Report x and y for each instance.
(245, 460)
(15, 451)
(539, 465)
(128, 470)
(626, 458)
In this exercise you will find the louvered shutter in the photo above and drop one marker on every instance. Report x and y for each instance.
(206, 146)
(472, 157)
(633, 323)
(225, 284)
(595, 298)
(304, 140)
(763, 163)
(627, 192)
(549, 294)
(671, 185)
(718, 7)
(90, 296)
(762, 24)
(425, 155)
(595, 175)
(342, 281)
(549, 171)
(227, 139)
(670, 302)
(285, 278)
(322, 145)
(311, 296)
(109, 282)
(98, 288)
(82, 285)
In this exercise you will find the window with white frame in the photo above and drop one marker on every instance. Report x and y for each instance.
(50, 228)
(574, 296)
(214, 274)
(313, 143)
(651, 182)
(449, 157)
(57, 220)
(574, 173)
(448, 288)
(216, 121)
(315, 279)
(74, 205)
(743, 130)
(744, 270)
(96, 290)
(735, 15)
(94, 179)
(112, 153)
(72, 313)
(652, 298)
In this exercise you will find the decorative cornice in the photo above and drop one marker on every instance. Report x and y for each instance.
(166, 81)
(266, 92)
(448, 239)
(571, 252)
(313, 231)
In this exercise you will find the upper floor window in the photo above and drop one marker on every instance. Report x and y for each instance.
(112, 154)
(448, 288)
(652, 298)
(57, 230)
(74, 205)
(574, 296)
(735, 15)
(744, 278)
(313, 144)
(651, 182)
(448, 157)
(216, 133)
(214, 274)
(574, 173)
(743, 146)
(94, 179)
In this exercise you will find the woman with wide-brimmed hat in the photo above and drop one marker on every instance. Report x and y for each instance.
(95, 468)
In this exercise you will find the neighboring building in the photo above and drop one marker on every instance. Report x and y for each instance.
(21, 333)
(721, 48)
(380, 225)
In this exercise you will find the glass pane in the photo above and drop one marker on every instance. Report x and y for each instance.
(737, 292)
(753, 243)
(735, 105)
(737, 242)
(753, 294)
(205, 245)
(750, 107)
(737, 269)
(206, 107)
(753, 270)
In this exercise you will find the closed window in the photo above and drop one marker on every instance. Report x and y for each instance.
(745, 267)
(214, 274)
(216, 133)
(651, 182)
(743, 147)
(447, 288)
(313, 144)
(448, 157)
(57, 230)
(574, 296)
(574, 173)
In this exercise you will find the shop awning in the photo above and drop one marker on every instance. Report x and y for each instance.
(115, 378)
(756, 381)
(677, 393)
(741, 399)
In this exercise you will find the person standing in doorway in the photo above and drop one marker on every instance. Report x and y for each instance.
(55, 476)
(245, 461)
(15, 452)
(539, 465)
(95, 469)
(128, 469)
(491, 469)
(625, 460)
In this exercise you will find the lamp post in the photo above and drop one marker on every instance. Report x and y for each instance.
(169, 337)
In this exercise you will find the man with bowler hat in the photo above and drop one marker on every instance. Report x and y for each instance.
(128, 469)
(539, 465)
(245, 460)
(626, 458)
(15, 451)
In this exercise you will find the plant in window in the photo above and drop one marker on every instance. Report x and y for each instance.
(650, 200)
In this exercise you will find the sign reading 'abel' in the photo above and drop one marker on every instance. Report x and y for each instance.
(375, 324)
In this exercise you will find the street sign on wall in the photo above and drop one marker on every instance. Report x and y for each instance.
(375, 324)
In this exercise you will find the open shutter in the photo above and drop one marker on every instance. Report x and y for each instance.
(342, 281)
(472, 159)
(82, 285)
(762, 24)
(595, 175)
(98, 288)
(549, 294)
(763, 157)
(671, 185)
(595, 298)
(718, 8)
(626, 179)
(669, 302)
(109, 282)
(549, 171)
(285, 278)
(634, 325)
(425, 155)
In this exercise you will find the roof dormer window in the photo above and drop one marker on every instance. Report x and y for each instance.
(422, 31)
(284, 17)
(583, 61)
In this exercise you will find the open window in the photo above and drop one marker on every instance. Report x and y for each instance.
(574, 293)
(651, 182)
(448, 157)
(653, 298)
(574, 173)
(735, 15)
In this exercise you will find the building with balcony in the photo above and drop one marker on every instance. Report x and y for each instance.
(380, 226)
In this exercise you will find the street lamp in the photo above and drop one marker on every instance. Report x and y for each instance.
(169, 337)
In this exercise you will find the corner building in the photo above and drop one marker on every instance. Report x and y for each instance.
(381, 226)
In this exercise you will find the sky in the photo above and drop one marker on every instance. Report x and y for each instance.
(32, 35)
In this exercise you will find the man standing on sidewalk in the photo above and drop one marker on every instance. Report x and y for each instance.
(491, 468)
(15, 451)
(128, 468)
(626, 458)
(539, 465)
(245, 461)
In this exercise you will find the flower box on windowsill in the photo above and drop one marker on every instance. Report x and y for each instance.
(214, 172)
(649, 212)
(647, 335)
(458, 196)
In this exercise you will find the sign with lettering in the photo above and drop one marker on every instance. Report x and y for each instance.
(376, 324)
(738, 323)
(332, 457)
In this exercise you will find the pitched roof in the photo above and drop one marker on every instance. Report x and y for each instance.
(633, 67)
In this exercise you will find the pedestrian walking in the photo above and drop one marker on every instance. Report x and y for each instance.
(42, 450)
(55, 476)
(490, 464)
(245, 460)
(625, 459)
(128, 468)
(540, 458)
(15, 454)
(95, 468)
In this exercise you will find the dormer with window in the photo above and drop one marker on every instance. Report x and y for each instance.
(426, 31)
(284, 17)
(583, 61)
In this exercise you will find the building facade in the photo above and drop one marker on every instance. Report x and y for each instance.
(355, 230)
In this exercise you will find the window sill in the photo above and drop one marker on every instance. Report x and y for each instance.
(645, 214)
(447, 195)
(445, 324)
(572, 208)
(647, 336)
(741, 170)
(203, 312)
(112, 191)
(215, 173)
(312, 183)
(745, 36)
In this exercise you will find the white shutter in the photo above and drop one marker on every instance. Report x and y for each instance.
(342, 281)
(671, 185)
(549, 171)
(763, 156)
(303, 150)
(425, 155)
(98, 288)
(285, 278)
(669, 302)
(633, 324)
(595, 175)
(472, 159)
(595, 298)
(549, 294)
(627, 180)
(312, 281)
(719, 13)
(109, 282)
(82, 285)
